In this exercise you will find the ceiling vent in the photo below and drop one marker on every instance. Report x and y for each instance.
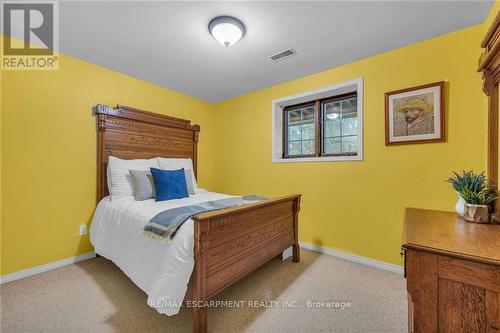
(283, 55)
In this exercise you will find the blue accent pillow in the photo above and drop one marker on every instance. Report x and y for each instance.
(169, 184)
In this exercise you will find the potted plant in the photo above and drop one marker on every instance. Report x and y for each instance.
(474, 196)
(461, 183)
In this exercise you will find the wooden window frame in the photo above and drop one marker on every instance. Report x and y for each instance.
(318, 117)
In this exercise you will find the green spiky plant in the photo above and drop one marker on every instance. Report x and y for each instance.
(472, 187)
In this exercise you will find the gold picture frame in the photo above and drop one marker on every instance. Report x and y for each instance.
(415, 115)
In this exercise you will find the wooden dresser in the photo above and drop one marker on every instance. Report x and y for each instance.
(452, 269)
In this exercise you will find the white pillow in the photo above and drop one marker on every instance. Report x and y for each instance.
(119, 180)
(178, 163)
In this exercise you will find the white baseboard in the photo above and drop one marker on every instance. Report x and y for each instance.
(287, 253)
(44, 268)
(352, 257)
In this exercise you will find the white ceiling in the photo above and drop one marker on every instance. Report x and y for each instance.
(168, 44)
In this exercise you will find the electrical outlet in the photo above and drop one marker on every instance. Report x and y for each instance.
(83, 229)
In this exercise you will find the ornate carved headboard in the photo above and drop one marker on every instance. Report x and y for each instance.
(130, 133)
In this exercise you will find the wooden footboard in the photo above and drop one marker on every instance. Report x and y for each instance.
(233, 242)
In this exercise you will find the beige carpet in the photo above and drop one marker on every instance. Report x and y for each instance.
(95, 296)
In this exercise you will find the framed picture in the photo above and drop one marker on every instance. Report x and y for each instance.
(415, 115)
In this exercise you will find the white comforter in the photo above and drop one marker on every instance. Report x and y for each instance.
(161, 270)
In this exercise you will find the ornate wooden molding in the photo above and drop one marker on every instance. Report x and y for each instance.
(127, 112)
(250, 215)
(490, 44)
(489, 66)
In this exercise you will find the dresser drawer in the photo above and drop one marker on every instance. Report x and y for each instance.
(473, 273)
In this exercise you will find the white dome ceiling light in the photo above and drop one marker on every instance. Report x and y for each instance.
(227, 30)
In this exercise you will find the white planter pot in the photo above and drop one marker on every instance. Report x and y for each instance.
(476, 213)
(460, 206)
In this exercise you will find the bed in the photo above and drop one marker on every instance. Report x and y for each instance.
(212, 250)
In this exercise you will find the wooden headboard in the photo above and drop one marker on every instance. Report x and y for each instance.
(130, 133)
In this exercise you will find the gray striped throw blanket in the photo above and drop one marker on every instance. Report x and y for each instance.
(164, 225)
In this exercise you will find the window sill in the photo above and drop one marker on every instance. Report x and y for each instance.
(318, 159)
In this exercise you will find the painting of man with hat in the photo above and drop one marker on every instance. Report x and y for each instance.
(415, 114)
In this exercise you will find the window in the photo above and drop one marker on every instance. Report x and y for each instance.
(340, 126)
(336, 135)
(322, 125)
(300, 131)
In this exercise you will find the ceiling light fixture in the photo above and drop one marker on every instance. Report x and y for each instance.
(227, 30)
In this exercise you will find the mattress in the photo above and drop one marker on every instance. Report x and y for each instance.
(161, 270)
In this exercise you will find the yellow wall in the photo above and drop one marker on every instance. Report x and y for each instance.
(49, 153)
(48, 139)
(358, 207)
